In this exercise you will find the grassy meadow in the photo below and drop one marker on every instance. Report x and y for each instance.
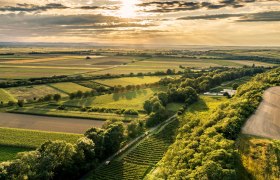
(69, 87)
(124, 100)
(130, 80)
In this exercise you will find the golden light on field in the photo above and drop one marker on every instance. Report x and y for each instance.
(128, 8)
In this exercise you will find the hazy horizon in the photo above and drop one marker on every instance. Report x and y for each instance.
(157, 22)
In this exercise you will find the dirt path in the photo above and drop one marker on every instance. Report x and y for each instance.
(266, 121)
(44, 123)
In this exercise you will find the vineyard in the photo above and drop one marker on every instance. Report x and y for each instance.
(136, 163)
(69, 87)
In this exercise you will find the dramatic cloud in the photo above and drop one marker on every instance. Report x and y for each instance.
(174, 6)
(31, 7)
(246, 17)
(99, 7)
(261, 17)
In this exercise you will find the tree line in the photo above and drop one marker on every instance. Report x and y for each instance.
(208, 150)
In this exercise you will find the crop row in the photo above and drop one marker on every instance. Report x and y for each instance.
(138, 162)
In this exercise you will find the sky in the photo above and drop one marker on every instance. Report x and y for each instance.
(180, 22)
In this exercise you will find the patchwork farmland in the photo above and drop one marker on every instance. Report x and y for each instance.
(133, 114)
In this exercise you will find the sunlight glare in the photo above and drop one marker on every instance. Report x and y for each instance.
(128, 8)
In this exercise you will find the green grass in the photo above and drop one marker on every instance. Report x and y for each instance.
(9, 152)
(130, 80)
(31, 138)
(173, 107)
(5, 97)
(126, 100)
(69, 87)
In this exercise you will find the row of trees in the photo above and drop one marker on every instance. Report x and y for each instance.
(62, 160)
(205, 145)
(78, 78)
(156, 106)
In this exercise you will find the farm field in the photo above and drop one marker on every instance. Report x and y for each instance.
(162, 64)
(265, 121)
(5, 97)
(33, 92)
(13, 141)
(125, 100)
(45, 123)
(53, 112)
(31, 138)
(69, 87)
(124, 81)
(30, 66)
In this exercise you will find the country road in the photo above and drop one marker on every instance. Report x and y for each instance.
(265, 122)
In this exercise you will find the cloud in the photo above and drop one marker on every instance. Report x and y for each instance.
(23, 7)
(244, 17)
(99, 7)
(174, 6)
(261, 17)
(210, 17)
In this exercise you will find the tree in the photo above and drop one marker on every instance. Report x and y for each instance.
(20, 103)
(163, 97)
(148, 106)
(113, 137)
(234, 86)
(97, 136)
(57, 97)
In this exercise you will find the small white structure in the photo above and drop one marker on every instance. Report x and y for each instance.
(213, 94)
(229, 91)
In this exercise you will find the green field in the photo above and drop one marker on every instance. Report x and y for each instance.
(5, 97)
(9, 152)
(130, 80)
(69, 87)
(13, 140)
(30, 138)
(125, 100)
(50, 111)
(33, 92)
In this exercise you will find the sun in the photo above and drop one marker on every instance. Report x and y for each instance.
(128, 8)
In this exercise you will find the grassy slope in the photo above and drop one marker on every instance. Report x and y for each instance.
(260, 157)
